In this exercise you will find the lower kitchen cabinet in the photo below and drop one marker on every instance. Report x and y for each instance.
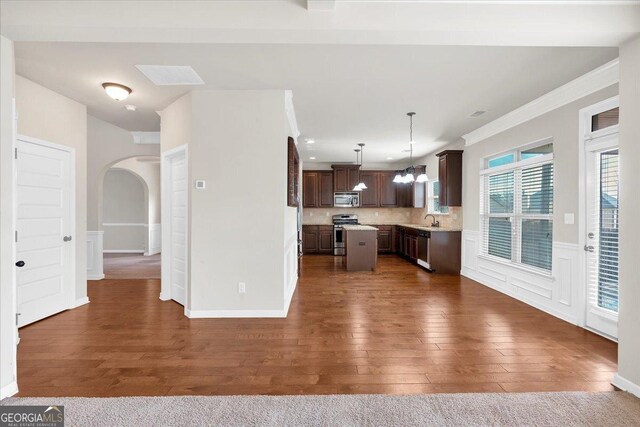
(317, 239)
(440, 249)
(385, 239)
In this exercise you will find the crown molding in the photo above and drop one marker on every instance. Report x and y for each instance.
(146, 137)
(593, 81)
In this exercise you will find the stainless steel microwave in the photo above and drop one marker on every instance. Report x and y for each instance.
(346, 200)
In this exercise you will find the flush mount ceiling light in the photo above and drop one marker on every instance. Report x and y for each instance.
(407, 176)
(312, 158)
(130, 107)
(116, 91)
(310, 141)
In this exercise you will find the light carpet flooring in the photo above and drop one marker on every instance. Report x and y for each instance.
(480, 409)
(131, 266)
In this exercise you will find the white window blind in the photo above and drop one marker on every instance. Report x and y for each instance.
(604, 272)
(517, 209)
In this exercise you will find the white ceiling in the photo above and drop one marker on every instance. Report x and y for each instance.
(343, 94)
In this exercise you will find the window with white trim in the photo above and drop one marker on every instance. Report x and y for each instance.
(433, 202)
(516, 206)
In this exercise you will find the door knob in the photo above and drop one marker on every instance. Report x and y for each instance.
(66, 238)
(20, 264)
(589, 248)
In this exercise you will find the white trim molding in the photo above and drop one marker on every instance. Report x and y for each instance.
(291, 115)
(95, 246)
(556, 294)
(123, 251)
(215, 314)
(145, 138)
(626, 385)
(81, 301)
(9, 390)
(593, 81)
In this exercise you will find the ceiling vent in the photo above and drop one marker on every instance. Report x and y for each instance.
(477, 113)
(168, 75)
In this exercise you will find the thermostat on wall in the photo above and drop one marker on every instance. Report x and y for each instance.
(200, 184)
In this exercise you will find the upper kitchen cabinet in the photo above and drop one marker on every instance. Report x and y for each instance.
(413, 195)
(317, 189)
(450, 177)
(345, 177)
(388, 190)
(369, 196)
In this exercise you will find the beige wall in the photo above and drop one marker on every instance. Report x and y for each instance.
(239, 223)
(124, 204)
(7, 293)
(149, 172)
(629, 317)
(47, 115)
(562, 125)
(106, 145)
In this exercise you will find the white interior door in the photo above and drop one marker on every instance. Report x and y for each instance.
(44, 224)
(178, 224)
(602, 220)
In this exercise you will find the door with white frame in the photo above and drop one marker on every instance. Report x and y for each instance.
(45, 206)
(601, 218)
(174, 225)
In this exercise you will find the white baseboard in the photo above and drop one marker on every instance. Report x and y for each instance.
(9, 390)
(626, 385)
(214, 314)
(96, 277)
(164, 297)
(81, 301)
(152, 253)
(123, 251)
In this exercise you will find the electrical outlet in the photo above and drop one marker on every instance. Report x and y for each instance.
(376, 214)
(310, 213)
(569, 219)
(327, 213)
(242, 287)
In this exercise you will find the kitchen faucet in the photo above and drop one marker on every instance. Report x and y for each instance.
(434, 223)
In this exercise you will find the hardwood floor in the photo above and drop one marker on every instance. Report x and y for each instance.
(399, 330)
(131, 266)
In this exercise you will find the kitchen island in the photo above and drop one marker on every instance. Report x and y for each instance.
(361, 247)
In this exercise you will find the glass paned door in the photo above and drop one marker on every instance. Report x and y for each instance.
(603, 183)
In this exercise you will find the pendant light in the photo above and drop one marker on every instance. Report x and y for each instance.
(357, 187)
(361, 185)
(407, 176)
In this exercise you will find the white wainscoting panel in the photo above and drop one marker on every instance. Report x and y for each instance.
(94, 255)
(556, 294)
(155, 239)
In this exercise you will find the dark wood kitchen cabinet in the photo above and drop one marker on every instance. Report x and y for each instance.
(317, 189)
(369, 197)
(345, 177)
(445, 251)
(386, 239)
(310, 239)
(325, 239)
(317, 239)
(450, 177)
(388, 190)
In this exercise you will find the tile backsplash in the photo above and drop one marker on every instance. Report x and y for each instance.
(380, 216)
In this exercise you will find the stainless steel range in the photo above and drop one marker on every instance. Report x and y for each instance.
(338, 232)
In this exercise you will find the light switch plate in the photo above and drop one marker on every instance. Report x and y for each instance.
(200, 184)
(569, 219)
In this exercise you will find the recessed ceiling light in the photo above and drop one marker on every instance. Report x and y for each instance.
(312, 158)
(310, 141)
(389, 158)
(477, 113)
(131, 107)
(116, 90)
